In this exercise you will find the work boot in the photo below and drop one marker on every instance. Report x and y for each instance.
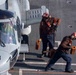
(46, 69)
(69, 71)
(43, 55)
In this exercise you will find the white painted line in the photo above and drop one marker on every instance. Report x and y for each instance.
(35, 62)
(35, 70)
(74, 71)
(30, 69)
(20, 71)
(73, 64)
(62, 64)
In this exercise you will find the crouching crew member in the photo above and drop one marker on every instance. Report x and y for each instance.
(64, 52)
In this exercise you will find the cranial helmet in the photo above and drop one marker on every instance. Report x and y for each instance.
(73, 35)
(45, 15)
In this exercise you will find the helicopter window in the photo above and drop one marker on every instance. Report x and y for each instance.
(7, 34)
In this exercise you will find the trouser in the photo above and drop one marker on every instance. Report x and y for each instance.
(44, 44)
(51, 40)
(48, 40)
(58, 55)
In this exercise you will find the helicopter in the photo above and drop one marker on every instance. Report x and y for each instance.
(12, 27)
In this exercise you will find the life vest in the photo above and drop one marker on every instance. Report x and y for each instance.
(53, 21)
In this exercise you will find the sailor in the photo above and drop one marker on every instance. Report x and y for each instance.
(63, 51)
(48, 26)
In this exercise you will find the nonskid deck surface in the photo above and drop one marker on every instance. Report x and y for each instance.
(36, 66)
(33, 65)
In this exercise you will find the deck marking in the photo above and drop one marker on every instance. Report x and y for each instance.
(73, 64)
(36, 70)
(20, 71)
(26, 69)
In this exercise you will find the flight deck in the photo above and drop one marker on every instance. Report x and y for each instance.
(33, 65)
